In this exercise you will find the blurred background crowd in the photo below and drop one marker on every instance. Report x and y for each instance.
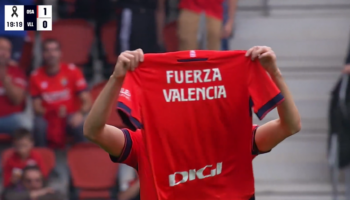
(49, 80)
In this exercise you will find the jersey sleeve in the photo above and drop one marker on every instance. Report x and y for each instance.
(33, 87)
(80, 84)
(263, 92)
(128, 106)
(131, 149)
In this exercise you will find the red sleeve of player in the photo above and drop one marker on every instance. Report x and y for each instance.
(129, 155)
(264, 93)
(20, 79)
(79, 80)
(34, 87)
(128, 105)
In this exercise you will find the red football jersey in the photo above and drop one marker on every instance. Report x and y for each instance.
(134, 155)
(18, 78)
(58, 89)
(194, 107)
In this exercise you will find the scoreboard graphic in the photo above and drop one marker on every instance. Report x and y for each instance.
(28, 18)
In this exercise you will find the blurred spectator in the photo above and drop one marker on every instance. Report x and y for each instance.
(140, 25)
(60, 99)
(32, 187)
(190, 13)
(129, 185)
(23, 156)
(225, 38)
(12, 92)
(16, 37)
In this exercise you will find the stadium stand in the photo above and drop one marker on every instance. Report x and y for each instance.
(76, 37)
(171, 41)
(85, 161)
(108, 34)
(27, 53)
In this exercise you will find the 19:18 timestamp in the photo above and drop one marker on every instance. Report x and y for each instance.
(14, 24)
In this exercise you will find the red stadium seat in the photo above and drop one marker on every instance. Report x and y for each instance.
(171, 40)
(108, 38)
(47, 154)
(114, 118)
(76, 37)
(92, 171)
(49, 157)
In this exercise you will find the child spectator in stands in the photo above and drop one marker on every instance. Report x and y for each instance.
(12, 92)
(60, 99)
(23, 156)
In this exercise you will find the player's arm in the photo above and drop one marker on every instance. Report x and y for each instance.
(272, 133)
(110, 138)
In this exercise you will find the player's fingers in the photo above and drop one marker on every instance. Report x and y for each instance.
(140, 52)
(264, 49)
(254, 53)
(249, 51)
(124, 61)
(131, 57)
(268, 54)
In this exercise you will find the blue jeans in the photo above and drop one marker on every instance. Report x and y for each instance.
(40, 131)
(10, 123)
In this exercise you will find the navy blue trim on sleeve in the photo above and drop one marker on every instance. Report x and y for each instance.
(255, 149)
(126, 149)
(128, 120)
(269, 106)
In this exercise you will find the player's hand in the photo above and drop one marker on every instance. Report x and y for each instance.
(76, 119)
(227, 30)
(266, 56)
(346, 69)
(127, 61)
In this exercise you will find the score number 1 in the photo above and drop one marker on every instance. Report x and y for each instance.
(44, 21)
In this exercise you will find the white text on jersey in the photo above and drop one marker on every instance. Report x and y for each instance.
(194, 174)
(194, 76)
(197, 92)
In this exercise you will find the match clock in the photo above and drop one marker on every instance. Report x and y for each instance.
(28, 18)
